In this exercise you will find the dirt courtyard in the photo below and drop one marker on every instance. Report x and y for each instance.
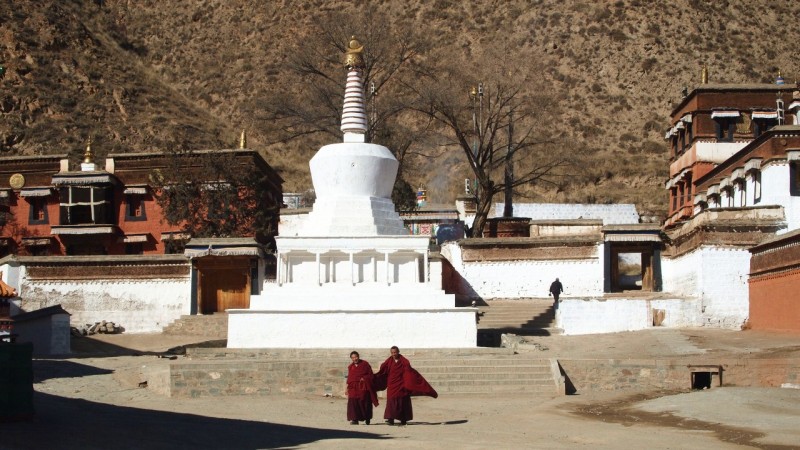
(90, 401)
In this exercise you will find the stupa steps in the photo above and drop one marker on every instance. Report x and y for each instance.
(211, 325)
(489, 384)
(533, 390)
(316, 372)
(470, 367)
(519, 316)
(490, 377)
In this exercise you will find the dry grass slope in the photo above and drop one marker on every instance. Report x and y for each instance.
(192, 74)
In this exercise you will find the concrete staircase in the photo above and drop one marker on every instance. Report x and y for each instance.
(212, 326)
(527, 317)
(481, 371)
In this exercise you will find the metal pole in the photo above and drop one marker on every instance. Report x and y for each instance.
(508, 209)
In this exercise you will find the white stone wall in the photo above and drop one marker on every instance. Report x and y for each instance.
(679, 313)
(725, 292)
(445, 328)
(527, 278)
(775, 190)
(717, 276)
(136, 305)
(609, 214)
(682, 275)
(290, 224)
(591, 316)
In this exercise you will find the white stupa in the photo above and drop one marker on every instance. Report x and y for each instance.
(353, 277)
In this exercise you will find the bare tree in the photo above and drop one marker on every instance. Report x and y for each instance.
(478, 115)
(313, 106)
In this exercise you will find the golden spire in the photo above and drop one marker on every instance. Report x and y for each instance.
(704, 75)
(353, 58)
(243, 140)
(88, 157)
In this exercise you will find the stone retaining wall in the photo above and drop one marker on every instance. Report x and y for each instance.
(231, 375)
(591, 375)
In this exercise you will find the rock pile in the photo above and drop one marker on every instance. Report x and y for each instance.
(102, 327)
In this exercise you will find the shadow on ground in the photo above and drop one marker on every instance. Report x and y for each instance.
(87, 347)
(66, 423)
(44, 369)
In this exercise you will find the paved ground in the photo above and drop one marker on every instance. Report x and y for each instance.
(91, 401)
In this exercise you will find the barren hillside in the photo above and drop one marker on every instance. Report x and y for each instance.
(147, 75)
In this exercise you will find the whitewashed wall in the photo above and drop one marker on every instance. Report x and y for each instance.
(715, 275)
(136, 305)
(527, 278)
(623, 213)
(682, 275)
(291, 223)
(725, 292)
(775, 191)
(443, 328)
(591, 316)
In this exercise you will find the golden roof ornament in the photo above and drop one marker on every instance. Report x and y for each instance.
(779, 79)
(243, 140)
(88, 157)
(704, 75)
(353, 58)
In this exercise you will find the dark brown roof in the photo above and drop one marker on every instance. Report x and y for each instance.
(39, 313)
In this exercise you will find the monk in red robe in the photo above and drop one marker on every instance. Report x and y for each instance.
(360, 393)
(401, 381)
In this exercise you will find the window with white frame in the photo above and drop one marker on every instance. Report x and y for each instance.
(85, 205)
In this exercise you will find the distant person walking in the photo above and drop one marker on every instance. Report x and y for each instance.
(555, 290)
(360, 393)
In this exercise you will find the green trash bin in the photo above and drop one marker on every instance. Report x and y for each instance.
(16, 382)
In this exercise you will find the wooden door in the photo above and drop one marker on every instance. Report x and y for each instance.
(647, 271)
(224, 285)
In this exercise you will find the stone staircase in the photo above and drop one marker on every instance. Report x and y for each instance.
(212, 326)
(489, 375)
(527, 317)
(481, 371)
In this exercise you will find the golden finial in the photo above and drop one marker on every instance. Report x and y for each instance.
(88, 157)
(353, 58)
(243, 140)
(704, 75)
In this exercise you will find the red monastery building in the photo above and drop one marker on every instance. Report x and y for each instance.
(735, 190)
(712, 124)
(48, 207)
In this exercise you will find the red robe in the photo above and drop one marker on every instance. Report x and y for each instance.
(360, 393)
(401, 381)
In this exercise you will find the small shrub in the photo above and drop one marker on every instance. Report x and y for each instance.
(648, 64)
(618, 35)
